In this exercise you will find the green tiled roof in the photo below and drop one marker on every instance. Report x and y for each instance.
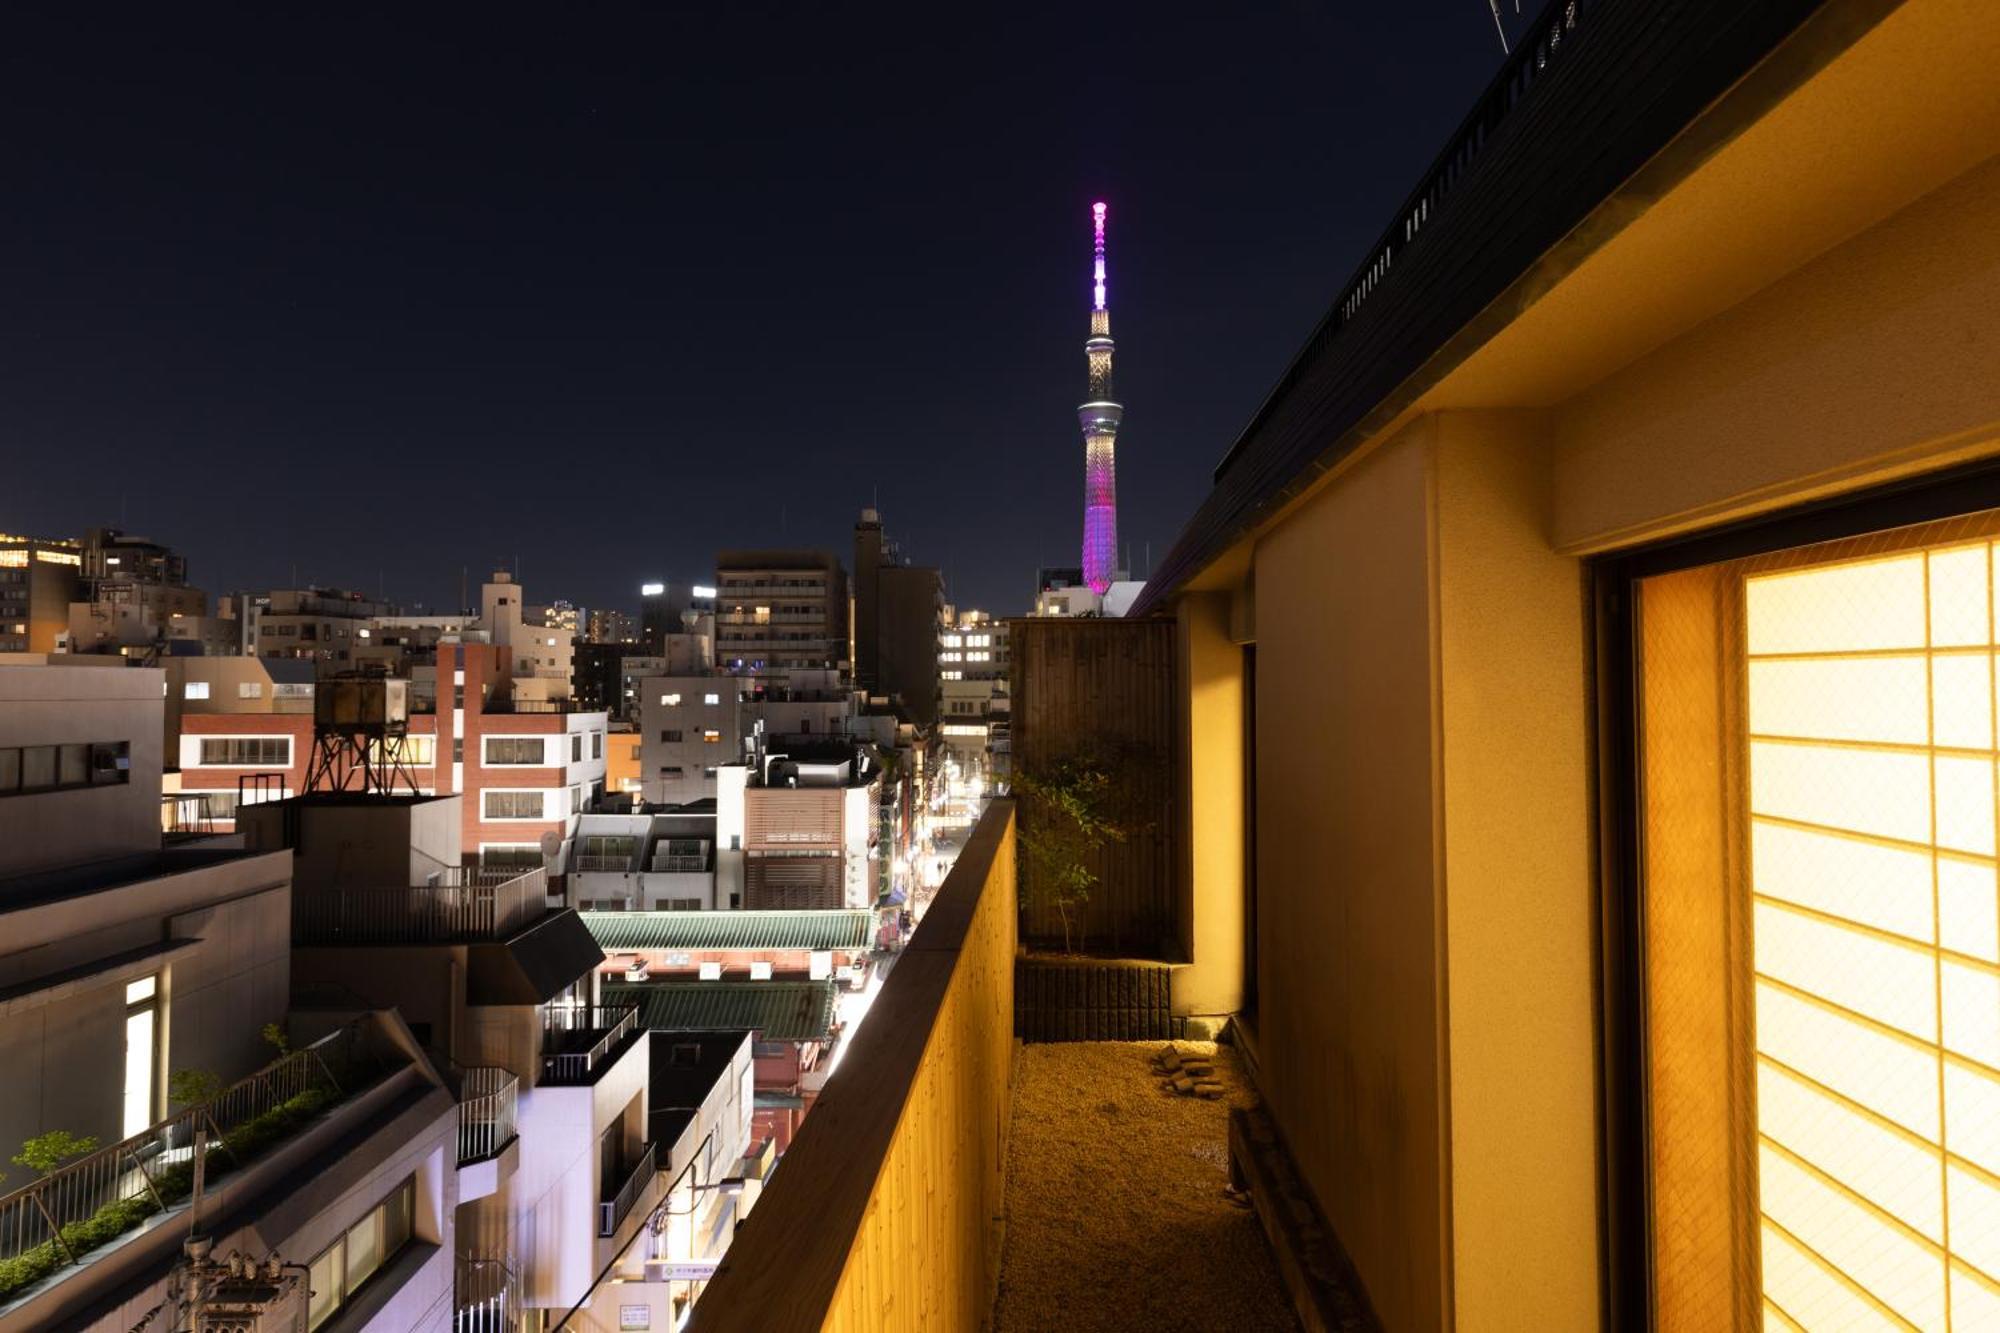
(775, 1010)
(693, 931)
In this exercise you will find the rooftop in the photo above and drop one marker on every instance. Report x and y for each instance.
(775, 1010)
(695, 931)
(1477, 239)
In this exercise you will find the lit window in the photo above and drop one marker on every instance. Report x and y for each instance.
(1822, 931)
(670, 701)
(711, 736)
(250, 689)
(195, 689)
(711, 698)
(141, 1049)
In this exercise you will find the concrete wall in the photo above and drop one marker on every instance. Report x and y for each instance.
(54, 705)
(62, 1040)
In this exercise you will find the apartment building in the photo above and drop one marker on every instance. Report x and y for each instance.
(649, 861)
(134, 598)
(139, 977)
(333, 628)
(777, 612)
(703, 1096)
(897, 610)
(802, 830)
(795, 1025)
(38, 580)
(555, 1168)
(688, 726)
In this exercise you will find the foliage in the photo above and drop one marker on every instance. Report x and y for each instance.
(46, 1152)
(193, 1087)
(1068, 820)
(274, 1033)
(174, 1184)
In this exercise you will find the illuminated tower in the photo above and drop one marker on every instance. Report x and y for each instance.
(1099, 417)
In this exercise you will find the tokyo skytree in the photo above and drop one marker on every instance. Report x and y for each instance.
(1099, 417)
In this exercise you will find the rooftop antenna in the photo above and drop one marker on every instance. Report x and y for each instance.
(1498, 27)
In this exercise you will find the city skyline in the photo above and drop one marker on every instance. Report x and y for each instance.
(503, 277)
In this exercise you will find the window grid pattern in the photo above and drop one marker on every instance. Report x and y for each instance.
(1871, 699)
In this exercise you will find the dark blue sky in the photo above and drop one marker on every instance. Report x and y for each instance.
(381, 295)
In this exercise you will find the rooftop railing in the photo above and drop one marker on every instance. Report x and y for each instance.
(614, 1210)
(576, 1041)
(479, 906)
(54, 1222)
(884, 1214)
(488, 1101)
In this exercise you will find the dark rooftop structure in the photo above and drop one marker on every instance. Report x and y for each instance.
(775, 1010)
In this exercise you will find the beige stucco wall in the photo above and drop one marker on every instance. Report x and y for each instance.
(1348, 928)
(1873, 361)
(1516, 882)
(1211, 794)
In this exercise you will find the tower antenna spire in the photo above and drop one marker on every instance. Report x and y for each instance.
(1099, 417)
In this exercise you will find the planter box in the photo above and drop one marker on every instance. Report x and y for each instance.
(1092, 999)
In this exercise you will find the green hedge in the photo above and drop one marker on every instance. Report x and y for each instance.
(175, 1183)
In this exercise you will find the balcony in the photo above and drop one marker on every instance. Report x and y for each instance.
(472, 905)
(488, 1101)
(488, 1298)
(579, 1042)
(937, 1126)
(49, 1229)
(614, 1210)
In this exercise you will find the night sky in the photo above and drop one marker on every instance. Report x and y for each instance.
(377, 296)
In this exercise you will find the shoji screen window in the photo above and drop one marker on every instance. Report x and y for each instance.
(1822, 936)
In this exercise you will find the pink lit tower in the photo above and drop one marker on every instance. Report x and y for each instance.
(1099, 417)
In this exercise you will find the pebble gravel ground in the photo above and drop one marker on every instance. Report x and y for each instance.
(1116, 1213)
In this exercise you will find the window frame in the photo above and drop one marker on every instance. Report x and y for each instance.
(1625, 1225)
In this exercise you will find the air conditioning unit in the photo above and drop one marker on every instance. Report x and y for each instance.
(637, 972)
(760, 971)
(711, 971)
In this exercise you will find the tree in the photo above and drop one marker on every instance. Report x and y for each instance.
(46, 1152)
(274, 1033)
(192, 1087)
(1066, 821)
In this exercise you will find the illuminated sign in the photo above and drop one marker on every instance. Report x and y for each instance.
(651, 589)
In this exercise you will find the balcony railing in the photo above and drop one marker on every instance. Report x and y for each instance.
(888, 1198)
(488, 1099)
(488, 1297)
(50, 1224)
(613, 1210)
(577, 1041)
(423, 914)
(521, 707)
(610, 864)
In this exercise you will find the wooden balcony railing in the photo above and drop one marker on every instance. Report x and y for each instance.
(885, 1213)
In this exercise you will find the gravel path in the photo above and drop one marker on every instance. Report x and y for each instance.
(1116, 1217)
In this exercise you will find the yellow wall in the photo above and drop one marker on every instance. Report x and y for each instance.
(1211, 796)
(1516, 884)
(621, 760)
(1348, 933)
(1874, 360)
